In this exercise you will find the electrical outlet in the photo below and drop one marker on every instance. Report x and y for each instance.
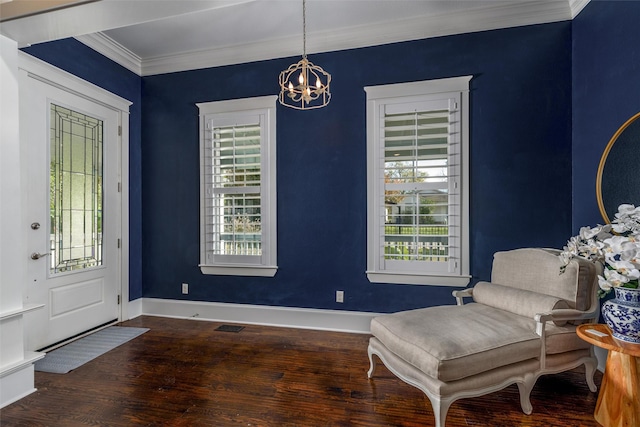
(339, 296)
(185, 288)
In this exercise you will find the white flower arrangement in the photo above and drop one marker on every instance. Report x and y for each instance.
(615, 245)
(627, 220)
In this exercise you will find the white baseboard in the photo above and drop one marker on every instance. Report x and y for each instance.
(17, 379)
(288, 317)
(134, 309)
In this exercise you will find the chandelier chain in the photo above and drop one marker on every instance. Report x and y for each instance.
(304, 28)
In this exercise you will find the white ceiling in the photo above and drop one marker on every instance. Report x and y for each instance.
(158, 36)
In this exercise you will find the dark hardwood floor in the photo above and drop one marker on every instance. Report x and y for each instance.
(184, 373)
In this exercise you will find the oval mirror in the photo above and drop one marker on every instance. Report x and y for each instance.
(618, 179)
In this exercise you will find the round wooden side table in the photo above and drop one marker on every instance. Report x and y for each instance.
(619, 400)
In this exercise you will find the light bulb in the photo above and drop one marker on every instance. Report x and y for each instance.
(308, 91)
(301, 79)
(290, 87)
(318, 84)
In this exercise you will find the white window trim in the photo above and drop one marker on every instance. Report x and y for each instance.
(378, 96)
(263, 105)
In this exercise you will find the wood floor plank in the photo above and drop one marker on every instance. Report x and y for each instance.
(185, 373)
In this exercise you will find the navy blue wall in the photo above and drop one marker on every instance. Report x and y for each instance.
(520, 158)
(606, 92)
(520, 166)
(76, 58)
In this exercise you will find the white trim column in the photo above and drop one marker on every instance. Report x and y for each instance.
(16, 364)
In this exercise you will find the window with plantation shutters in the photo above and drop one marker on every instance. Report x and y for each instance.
(417, 148)
(237, 160)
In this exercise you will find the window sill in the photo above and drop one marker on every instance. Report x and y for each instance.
(240, 270)
(418, 279)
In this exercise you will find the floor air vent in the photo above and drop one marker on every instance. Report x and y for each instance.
(229, 328)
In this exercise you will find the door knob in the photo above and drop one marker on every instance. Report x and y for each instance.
(35, 225)
(36, 255)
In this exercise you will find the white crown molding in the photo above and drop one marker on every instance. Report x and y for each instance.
(505, 15)
(288, 317)
(577, 6)
(217, 57)
(113, 50)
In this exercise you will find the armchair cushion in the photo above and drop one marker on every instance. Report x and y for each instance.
(454, 342)
(539, 270)
(518, 301)
(561, 339)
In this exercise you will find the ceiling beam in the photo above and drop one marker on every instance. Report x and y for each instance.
(14, 9)
(94, 16)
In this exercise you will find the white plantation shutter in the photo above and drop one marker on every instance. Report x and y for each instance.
(232, 199)
(416, 222)
(417, 178)
(237, 208)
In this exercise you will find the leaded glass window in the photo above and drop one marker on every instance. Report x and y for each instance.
(76, 194)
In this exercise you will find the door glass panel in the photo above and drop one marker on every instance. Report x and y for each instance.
(75, 190)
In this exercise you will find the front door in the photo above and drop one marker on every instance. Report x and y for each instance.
(71, 163)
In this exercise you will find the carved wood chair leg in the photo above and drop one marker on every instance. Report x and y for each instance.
(525, 388)
(372, 363)
(590, 370)
(440, 409)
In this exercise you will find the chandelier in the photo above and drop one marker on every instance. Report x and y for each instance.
(303, 85)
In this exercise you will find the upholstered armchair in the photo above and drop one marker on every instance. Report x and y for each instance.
(518, 327)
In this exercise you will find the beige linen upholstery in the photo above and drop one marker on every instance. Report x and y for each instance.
(424, 339)
(514, 331)
(574, 286)
(518, 301)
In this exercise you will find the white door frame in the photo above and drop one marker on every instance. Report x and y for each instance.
(56, 77)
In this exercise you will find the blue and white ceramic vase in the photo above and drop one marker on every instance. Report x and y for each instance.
(622, 314)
